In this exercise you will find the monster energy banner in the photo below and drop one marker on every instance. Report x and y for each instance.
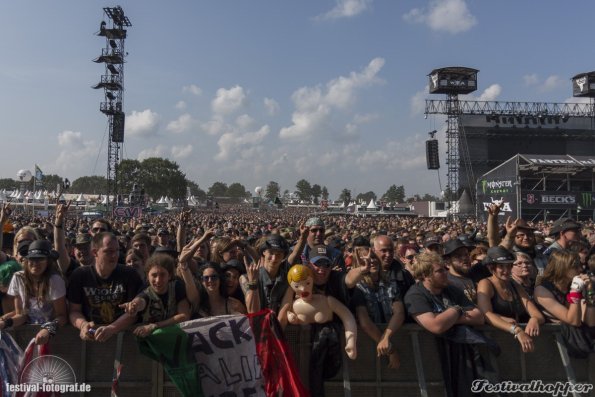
(586, 200)
(494, 190)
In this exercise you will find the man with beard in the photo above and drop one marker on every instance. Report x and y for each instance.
(520, 237)
(456, 257)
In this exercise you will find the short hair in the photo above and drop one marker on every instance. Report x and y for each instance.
(403, 249)
(424, 264)
(142, 237)
(559, 264)
(107, 224)
(164, 260)
(299, 273)
(521, 254)
(97, 242)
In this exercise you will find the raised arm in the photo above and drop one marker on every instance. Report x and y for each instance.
(181, 231)
(4, 216)
(59, 219)
(492, 225)
(299, 246)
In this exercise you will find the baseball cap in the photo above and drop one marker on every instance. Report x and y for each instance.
(431, 240)
(318, 256)
(163, 232)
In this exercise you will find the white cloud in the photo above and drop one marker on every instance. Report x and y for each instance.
(181, 105)
(313, 106)
(240, 144)
(530, 79)
(365, 118)
(551, 83)
(144, 123)
(182, 151)
(70, 138)
(490, 93)
(346, 9)
(158, 151)
(450, 16)
(244, 121)
(271, 106)
(214, 126)
(418, 101)
(229, 100)
(193, 89)
(183, 123)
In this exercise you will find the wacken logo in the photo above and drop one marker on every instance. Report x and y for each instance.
(581, 82)
(531, 199)
(504, 208)
(586, 199)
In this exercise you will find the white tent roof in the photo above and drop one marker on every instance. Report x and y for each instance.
(372, 205)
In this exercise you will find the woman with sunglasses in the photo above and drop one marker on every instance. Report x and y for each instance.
(212, 298)
(39, 293)
(505, 304)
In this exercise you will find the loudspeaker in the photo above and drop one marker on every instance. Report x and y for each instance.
(118, 128)
(432, 154)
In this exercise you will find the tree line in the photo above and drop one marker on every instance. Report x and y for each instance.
(158, 177)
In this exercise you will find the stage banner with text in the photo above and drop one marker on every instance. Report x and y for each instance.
(233, 355)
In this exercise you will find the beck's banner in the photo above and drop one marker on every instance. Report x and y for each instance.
(558, 199)
(233, 355)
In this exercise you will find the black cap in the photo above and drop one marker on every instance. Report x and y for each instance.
(498, 255)
(234, 264)
(319, 257)
(467, 242)
(431, 240)
(361, 241)
(39, 249)
(563, 224)
(452, 245)
(163, 232)
(23, 247)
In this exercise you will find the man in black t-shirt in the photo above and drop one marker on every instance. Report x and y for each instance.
(95, 292)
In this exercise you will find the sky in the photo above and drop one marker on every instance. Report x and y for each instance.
(331, 91)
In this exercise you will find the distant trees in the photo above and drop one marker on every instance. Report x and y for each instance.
(394, 194)
(345, 196)
(366, 197)
(304, 190)
(89, 185)
(235, 190)
(272, 190)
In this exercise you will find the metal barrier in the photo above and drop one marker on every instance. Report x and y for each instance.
(419, 375)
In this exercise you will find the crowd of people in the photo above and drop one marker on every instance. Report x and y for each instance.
(105, 276)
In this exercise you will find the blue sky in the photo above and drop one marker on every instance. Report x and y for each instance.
(252, 91)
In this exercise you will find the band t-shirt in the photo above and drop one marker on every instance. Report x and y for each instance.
(101, 297)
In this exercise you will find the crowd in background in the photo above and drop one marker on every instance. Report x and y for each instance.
(106, 275)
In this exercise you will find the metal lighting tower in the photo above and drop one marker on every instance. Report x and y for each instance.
(112, 82)
(453, 81)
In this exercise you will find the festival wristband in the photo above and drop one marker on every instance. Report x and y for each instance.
(51, 327)
(574, 297)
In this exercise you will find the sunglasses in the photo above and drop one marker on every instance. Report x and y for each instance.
(98, 230)
(410, 257)
(210, 278)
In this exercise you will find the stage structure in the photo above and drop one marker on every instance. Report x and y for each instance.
(453, 81)
(112, 82)
(493, 132)
(540, 187)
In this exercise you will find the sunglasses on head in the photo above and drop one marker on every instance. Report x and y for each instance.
(210, 278)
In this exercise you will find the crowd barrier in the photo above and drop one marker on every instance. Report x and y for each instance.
(419, 375)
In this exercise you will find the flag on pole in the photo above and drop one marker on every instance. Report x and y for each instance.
(38, 173)
(227, 355)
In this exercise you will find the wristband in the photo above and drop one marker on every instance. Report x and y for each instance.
(252, 285)
(574, 297)
(8, 322)
(51, 327)
(513, 328)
